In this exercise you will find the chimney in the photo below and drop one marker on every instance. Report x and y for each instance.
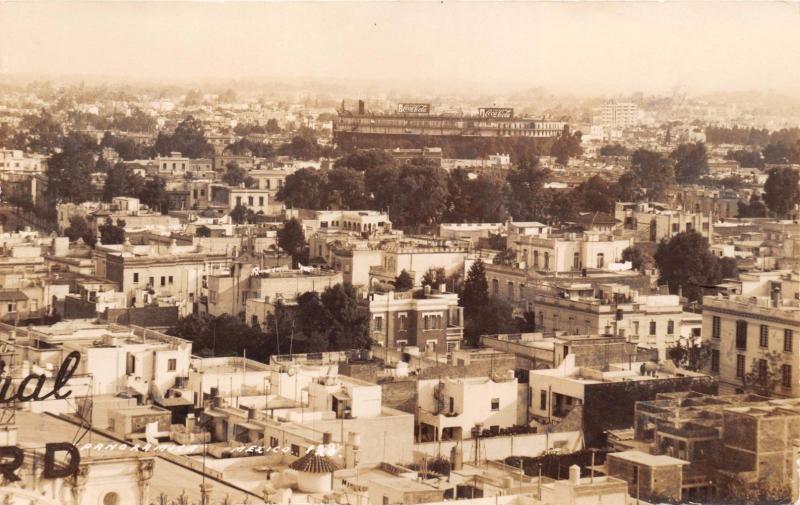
(427, 289)
(776, 296)
(442, 287)
(575, 475)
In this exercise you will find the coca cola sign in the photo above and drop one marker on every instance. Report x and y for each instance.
(414, 108)
(496, 112)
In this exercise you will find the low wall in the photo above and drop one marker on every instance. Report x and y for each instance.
(497, 448)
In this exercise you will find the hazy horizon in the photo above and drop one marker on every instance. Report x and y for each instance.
(578, 47)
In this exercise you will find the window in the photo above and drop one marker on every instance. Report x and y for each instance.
(576, 261)
(495, 286)
(401, 322)
(535, 259)
(250, 201)
(652, 327)
(675, 227)
(152, 281)
(163, 281)
(170, 279)
(786, 376)
(600, 260)
(511, 291)
(452, 405)
(273, 442)
(788, 336)
(542, 399)
(670, 327)
(379, 324)
(260, 201)
(521, 292)
(715, 360)
(741, 334)
(136, 277)
(763, 336)
(172, 364)
(739, 365)
(547, 261)
(495, 404)
(762, 371)
(295, 450)
(715, 326)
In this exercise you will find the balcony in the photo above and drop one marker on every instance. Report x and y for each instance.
(454, 332)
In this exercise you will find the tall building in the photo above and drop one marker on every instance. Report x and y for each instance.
(416, 126)
(619, 114)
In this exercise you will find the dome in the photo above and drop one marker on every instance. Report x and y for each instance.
(314, 463)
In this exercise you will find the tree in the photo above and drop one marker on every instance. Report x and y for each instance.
(434, 277)
(273, 126)
(381, 186)
(594, 195)
(44, 134)
(154, 194)
(111, 233)
(686, 263)
(234, 174)
(781, 152)
(754, 208)
(346, 188)
(496, 316)
(420, 197)
(365, 159)
(566, 146)
(349, 321)
(302, 147)
(651, 172)
(781, 191)
(765, 374)
(728, 268)
(188, 139)
(305, 189)
(640, 259)
(239, 214)
(691, 162)
(68, 171)
(745, 158)
(291, 238)
(475, 293)
(613, 150)
(690, 356)
(527, 200)
(79, 228)
(404, 281)
(122, 181)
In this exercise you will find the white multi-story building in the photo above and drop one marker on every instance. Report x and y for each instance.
(619, 114)
(755, 334)
(450, 408)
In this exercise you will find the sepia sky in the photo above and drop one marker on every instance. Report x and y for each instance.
(574, 46)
